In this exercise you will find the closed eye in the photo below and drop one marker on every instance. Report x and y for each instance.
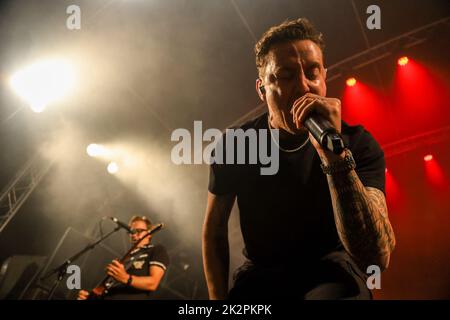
(313, 73)
(284, 75)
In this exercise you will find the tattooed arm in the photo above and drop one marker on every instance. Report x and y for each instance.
(360, 213)
(361, 220)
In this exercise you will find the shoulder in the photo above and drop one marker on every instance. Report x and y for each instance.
(160, 251)
(232, 135)
(360, 140)
(157, 248)
(258, 122)
(159, 256)
(368, 155)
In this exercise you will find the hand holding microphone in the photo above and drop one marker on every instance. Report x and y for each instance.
(322, 117)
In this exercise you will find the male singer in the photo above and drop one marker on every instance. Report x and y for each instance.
(312, 229)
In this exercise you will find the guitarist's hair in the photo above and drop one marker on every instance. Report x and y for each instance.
(141, 218)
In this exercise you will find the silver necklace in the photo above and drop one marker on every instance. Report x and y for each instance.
(279, 147)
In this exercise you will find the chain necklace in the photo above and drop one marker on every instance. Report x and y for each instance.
(279, 147)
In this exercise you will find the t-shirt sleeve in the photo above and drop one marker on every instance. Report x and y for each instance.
(221, 175)
(370, 162)
(160, 257)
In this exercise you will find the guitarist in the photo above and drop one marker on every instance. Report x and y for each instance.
(148, 263)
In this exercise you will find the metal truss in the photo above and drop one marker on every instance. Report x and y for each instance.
(417, 141)
(383, 50)
(20, 187)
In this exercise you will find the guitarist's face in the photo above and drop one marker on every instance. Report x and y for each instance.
(141, 228)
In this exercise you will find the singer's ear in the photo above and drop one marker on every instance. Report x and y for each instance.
(260, 90)
(325, 74)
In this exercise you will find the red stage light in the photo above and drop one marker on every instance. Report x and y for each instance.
(351, 82)
(435, 174)
(403, 61)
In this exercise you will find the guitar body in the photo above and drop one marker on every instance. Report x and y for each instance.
(97, 293)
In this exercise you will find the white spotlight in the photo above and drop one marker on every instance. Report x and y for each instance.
(113, 168)
(96, 150)
(43, 82)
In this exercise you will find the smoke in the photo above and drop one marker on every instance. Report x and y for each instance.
(174, 193)
(144, 69)
(79, 185)
(75, 188)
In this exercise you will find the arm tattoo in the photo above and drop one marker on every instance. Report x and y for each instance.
(361, 219)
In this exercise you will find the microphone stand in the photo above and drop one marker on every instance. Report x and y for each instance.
(62, 269)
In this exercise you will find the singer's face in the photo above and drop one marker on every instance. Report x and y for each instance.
(141, 228)
(292, 69)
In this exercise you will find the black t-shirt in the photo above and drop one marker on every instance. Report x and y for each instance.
(139, 265)
(287, 218)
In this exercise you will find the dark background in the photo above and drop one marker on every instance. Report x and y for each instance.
(146, 68)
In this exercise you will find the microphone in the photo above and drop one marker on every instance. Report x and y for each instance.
(324, 132)
(122, 225)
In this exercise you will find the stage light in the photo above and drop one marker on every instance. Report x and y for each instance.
(385, 170)
(403, 61)
(96, 150)
(351, 82)
(435, 174)
(394, 194)
(43, 82)
(113, 167)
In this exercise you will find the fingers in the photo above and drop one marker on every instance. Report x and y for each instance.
(117, 264)
(302, 108)
(111, 270)
(83, 295)
(115, 269)
(327, 107)
(303, 111)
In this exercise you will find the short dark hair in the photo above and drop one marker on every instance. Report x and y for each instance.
(141, 218)
(299, 29)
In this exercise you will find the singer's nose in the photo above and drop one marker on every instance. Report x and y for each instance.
(302, 84)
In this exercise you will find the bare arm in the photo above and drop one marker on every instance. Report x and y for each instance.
(118, 272)
(361, 220)
(360, 213)
(215, 247)
(151, 282)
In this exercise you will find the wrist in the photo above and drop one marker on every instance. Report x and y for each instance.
(327, 157)
(341, 164)
(129, 280)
